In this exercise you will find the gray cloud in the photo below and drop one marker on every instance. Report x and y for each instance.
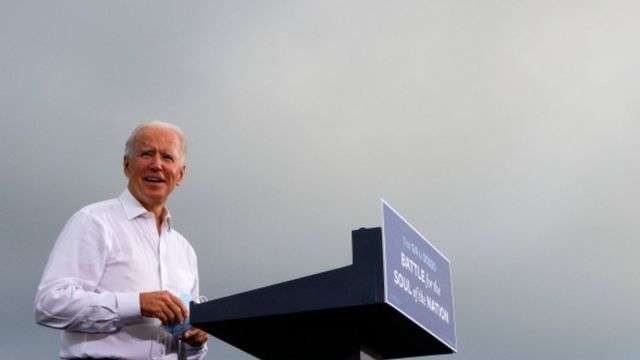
(506, 133)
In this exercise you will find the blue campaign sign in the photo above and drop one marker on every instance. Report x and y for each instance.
(417, 278)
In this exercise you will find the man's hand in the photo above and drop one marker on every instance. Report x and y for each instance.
(194, 337)
(164, 306)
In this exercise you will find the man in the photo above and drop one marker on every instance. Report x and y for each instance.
(116, 272)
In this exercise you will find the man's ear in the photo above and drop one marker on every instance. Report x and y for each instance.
(125, 165)
(181, 176)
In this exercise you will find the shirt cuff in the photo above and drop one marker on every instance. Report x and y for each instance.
(193, 350)
(128, 305)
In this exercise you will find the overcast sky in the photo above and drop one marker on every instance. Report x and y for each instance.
(507, 132)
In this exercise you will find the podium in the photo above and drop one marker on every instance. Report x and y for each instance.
(379, 307)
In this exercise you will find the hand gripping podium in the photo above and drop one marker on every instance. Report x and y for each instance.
(394, 301)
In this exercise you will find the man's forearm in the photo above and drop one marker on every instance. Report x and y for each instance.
(71, 308)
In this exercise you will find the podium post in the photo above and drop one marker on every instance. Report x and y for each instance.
(364, 354)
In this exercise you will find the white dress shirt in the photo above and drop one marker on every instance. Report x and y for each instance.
(106, 255)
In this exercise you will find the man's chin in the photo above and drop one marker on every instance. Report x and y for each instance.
(155, 189)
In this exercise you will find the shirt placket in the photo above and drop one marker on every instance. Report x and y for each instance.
(162, 250)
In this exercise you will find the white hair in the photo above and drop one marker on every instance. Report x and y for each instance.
(128, 148)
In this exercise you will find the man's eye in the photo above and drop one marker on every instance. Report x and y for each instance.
(145, 154)
(168, 157)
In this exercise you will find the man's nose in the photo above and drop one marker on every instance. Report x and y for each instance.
(156, 163)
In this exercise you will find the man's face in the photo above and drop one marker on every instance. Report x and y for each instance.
(155, 167)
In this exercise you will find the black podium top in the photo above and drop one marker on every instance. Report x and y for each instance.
(330, 315)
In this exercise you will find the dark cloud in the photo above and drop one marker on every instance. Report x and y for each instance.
(506, 133)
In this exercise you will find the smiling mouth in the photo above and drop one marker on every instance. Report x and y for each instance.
(153, 179)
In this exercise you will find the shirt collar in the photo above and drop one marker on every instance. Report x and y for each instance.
(133, 208)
